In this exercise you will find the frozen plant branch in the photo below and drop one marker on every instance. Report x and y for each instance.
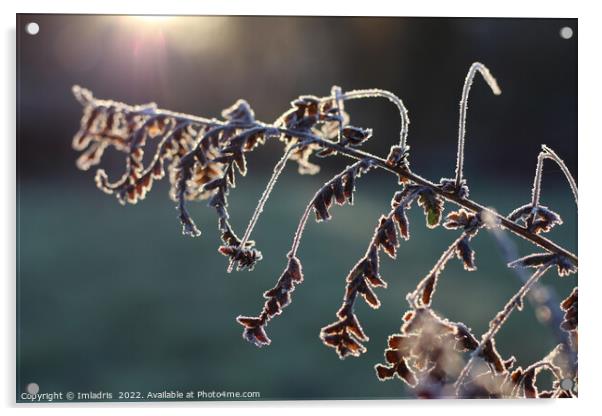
(375, 93)
(264, 197)
(484, 71)
(542, 297)
(204, 157)
(515, 301)
(424, 290)
(550, 154)
(537, 180)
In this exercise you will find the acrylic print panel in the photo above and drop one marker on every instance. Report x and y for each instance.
(360, 256)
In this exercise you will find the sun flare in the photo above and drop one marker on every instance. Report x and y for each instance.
(152, 18)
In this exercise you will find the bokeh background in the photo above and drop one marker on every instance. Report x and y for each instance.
(114, 298)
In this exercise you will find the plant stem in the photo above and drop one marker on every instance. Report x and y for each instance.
(300, 228)
(537, 180)
(336, 92)
(498, 321)
(546, 364)
(264, 197)
(550, 154)
(374, 93)
(477, 66)
(404, 173)
(463, 202)
(535, 367)
(437, 268)
(509, 253)
(305, 216)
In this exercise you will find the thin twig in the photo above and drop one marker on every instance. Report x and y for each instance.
(551, 301)
(375, 93)
(303, 221)
(412, 297)
(264, 197)
(547, 365)
(535, 368)
(477, 66)
(550, 154)
(535, 193)
(498, 321)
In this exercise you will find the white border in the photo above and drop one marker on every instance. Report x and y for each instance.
(590, 112)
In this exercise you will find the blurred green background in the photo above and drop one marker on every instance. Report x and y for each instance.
(114, 298)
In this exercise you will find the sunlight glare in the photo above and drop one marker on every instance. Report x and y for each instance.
(152, 18)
